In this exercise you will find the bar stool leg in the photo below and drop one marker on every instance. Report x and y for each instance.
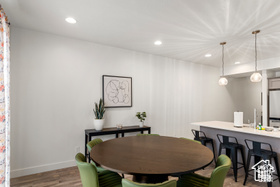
(220, 149)
(277, 167)
(243, 159)
(228, 153)
(269, 184)
(203, 142)
(257, 159)
(234, 163)
(247, 168)
(212, 143)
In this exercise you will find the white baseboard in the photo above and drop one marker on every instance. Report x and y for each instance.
(41, 168)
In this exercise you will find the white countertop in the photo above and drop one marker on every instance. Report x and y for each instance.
(229, 126)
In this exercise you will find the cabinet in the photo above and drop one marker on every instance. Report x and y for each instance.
(274, 83)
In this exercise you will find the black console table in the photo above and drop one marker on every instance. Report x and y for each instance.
(89, 133)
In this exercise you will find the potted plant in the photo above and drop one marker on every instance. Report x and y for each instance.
(142, 117)
(99, 112)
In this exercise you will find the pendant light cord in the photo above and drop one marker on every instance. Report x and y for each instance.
(223, 63)
(256, 52)
(256, 57)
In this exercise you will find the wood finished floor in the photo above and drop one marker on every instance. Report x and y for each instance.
(70, 177)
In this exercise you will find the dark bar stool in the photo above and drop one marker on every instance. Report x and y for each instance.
(231, 151)
(201, 136)
(255, 149)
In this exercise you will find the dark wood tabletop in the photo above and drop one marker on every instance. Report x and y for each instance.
(152, 156)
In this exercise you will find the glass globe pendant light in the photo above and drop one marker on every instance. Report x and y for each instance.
(223, 80)
(256, 77)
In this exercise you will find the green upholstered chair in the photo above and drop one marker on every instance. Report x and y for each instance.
(93, 143)
(90, 145)
(128, 183)
(148, 135)
(91, 178)
(192, 140)
(216, 180)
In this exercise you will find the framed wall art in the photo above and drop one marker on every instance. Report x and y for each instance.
(117, 91)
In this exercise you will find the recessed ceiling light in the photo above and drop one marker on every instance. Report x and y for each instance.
(71, 20)
(236, 62)
(158, 42)
(208, 55)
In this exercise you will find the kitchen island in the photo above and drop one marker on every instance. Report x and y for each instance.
(212, 128)
(229, 126)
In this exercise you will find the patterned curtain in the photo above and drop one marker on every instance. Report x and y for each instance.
(4, 100)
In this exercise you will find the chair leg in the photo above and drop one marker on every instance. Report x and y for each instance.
(203, 142)
(212, 143)
(269, 184)
(247, 168)
(257, 159)
(243, 159)
(277, 167)
(220, 150)
(228, 153)
(234, 163)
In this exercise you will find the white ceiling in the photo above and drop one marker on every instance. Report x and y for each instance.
(188, 28)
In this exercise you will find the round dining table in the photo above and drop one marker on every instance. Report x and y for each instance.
(151, 159)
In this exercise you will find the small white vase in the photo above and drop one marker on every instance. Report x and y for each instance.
(141, 124)
(98, 124)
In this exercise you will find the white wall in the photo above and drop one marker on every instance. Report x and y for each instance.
(246, 96)
(55, 81)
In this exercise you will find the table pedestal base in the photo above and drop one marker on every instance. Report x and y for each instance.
(150, 178)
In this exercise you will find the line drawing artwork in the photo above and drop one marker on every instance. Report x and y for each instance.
(118, 91)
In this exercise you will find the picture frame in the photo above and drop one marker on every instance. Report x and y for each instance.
(116, 91)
